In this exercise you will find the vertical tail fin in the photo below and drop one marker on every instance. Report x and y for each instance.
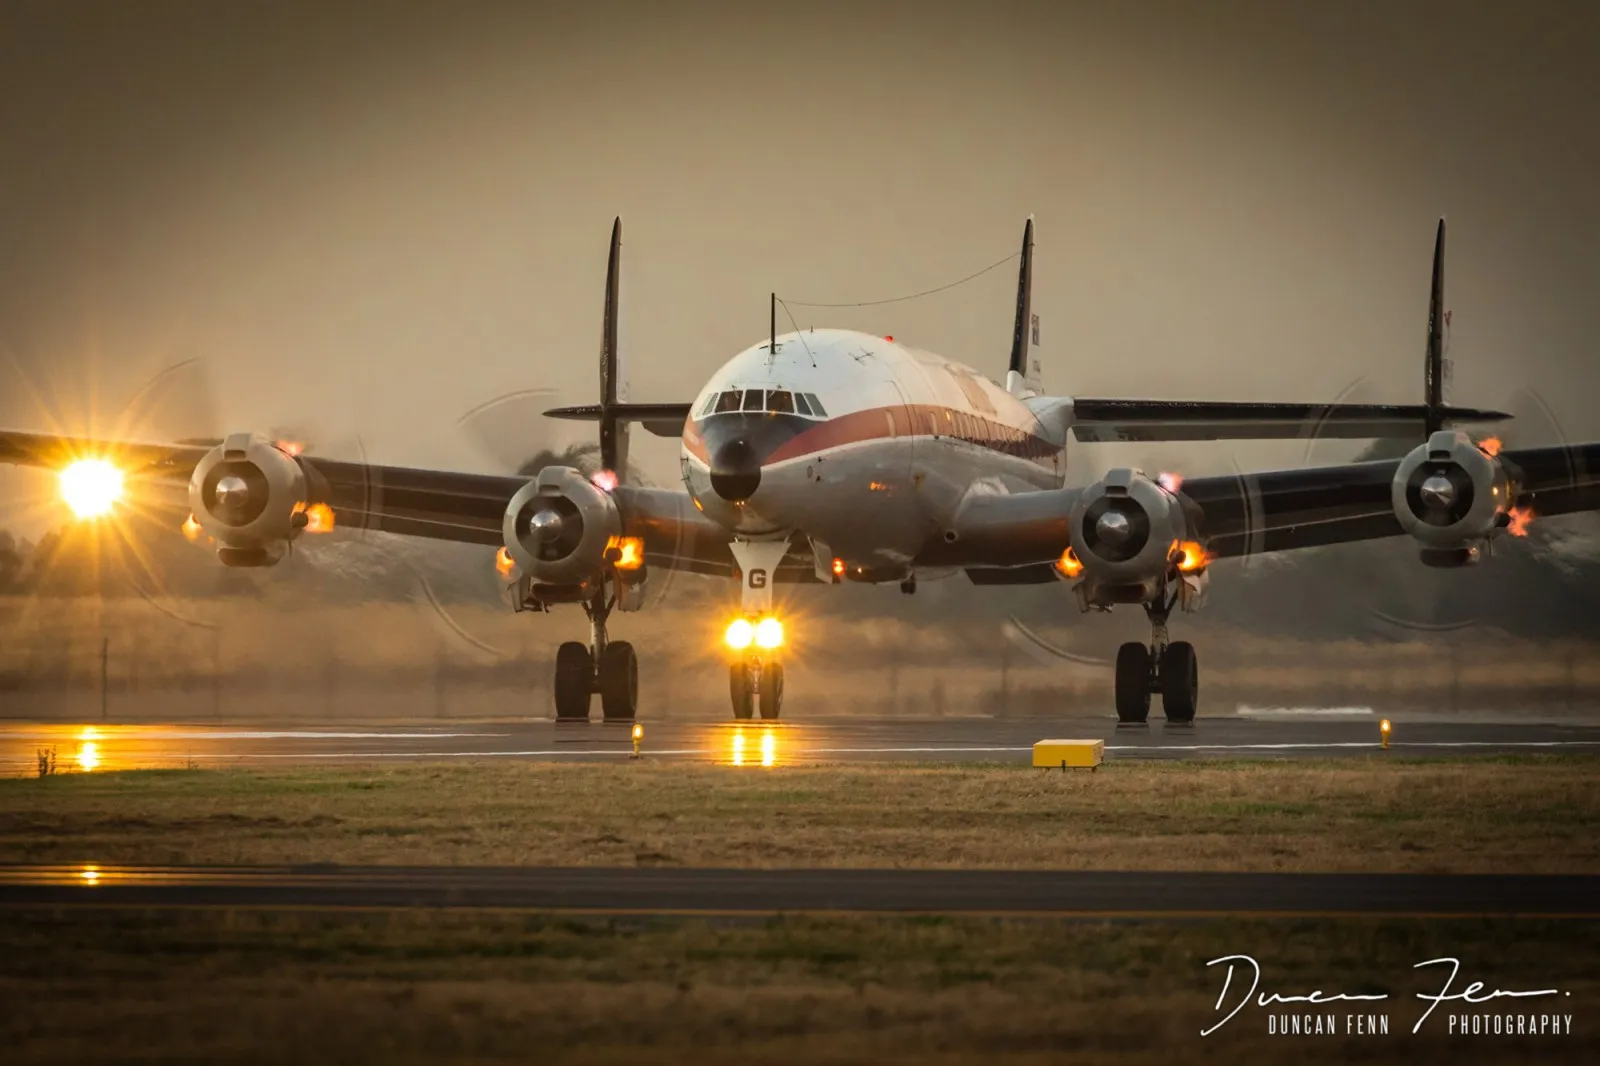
(1023, 375)
(613, 388)
(1436, 372)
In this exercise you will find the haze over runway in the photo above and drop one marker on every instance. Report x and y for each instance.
(1259, 733)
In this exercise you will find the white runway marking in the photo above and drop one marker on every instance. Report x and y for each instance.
(1245, 711)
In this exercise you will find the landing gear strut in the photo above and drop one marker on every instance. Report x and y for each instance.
(1168, 668)
(755, 676)
(606, 666)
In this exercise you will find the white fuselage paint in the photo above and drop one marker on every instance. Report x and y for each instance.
(905, 437)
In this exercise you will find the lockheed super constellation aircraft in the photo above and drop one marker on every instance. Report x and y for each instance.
(833, 455)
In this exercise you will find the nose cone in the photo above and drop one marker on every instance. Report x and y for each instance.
(735, 470)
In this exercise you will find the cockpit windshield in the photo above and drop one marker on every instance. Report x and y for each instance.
(769, 401)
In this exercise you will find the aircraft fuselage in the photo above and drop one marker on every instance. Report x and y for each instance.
(867, 445)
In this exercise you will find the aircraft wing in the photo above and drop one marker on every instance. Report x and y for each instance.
(158, 461)
(1016, 539)
(1108, 421)
(436, 504)
(1281, 510)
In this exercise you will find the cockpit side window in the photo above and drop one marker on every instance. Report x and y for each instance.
(816, 405)
(727, 401)
(705, 406)
(800, 404)
(780, 403)
(754, 399)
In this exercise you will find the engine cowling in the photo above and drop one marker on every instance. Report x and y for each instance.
(250, 496)
(557, 528)
(1452, 496)
(1130, 534)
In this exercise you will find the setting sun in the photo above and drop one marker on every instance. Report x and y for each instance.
(90, 487)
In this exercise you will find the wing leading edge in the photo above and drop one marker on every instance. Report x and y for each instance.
(1108, 421)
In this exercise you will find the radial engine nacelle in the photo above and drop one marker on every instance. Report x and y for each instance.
(1132, 538)
(559, 526)
(1452, 496)
(250, 496)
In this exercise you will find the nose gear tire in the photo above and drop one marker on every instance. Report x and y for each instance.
(771, 696)
(739, 688)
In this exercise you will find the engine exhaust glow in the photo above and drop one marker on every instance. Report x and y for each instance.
(1171, 482)
(503, 563)
(191, 529)
(291, 448)
(605, 480)
(1521, 519)
(91, 487)
(630, 552)
(1191, 557)
(1069, 565)
(1490, 446)
(319, 518)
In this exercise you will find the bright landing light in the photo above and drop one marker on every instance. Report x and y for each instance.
(90, 487)
(740, 633)
(769, 633)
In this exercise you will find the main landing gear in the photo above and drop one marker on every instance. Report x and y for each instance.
(1170, 669)
(608, 667)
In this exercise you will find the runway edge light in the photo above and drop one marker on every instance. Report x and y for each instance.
(1075, 754)
(1383, 730)
(638, 737)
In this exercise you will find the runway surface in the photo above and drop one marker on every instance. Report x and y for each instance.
(1265, 733)
(755, 892)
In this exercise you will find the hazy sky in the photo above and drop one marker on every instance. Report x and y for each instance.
(373, 217)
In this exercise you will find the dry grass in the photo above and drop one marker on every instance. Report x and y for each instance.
(1533, 814)
(419, 987)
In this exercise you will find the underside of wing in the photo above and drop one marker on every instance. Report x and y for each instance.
(1108, 421)
(661, 419)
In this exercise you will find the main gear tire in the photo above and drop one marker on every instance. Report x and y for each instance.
(574, 682)
(1180, 682)
(619, 682)
(1133, 683)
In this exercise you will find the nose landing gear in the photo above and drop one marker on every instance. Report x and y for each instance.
(1168, 668)
(756, 686)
